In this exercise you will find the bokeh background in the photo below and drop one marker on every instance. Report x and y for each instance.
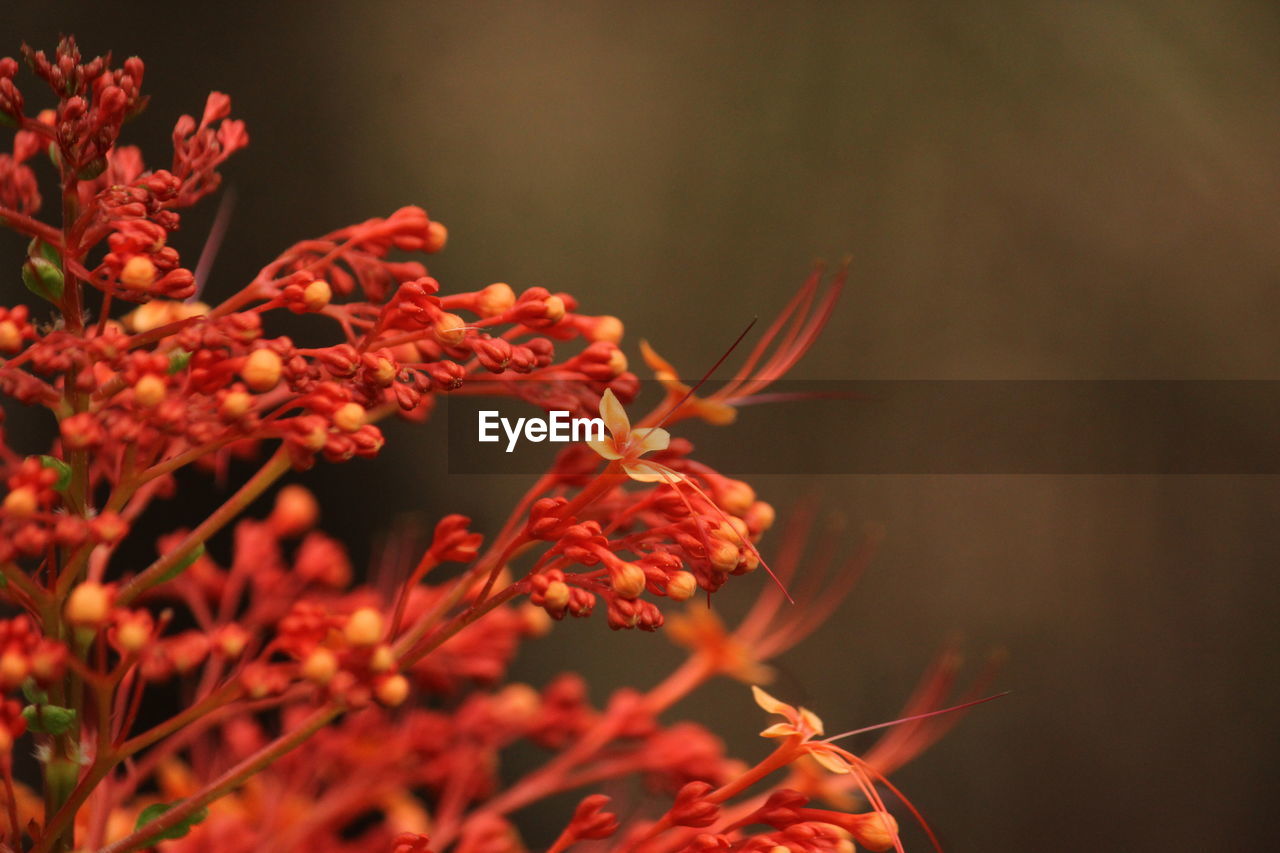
(1047, 190)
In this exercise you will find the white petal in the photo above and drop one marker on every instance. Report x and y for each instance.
(614, 416)
(647, 439)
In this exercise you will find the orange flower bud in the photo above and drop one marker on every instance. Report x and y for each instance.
(874, 830)
(723, 555)
(383, 659)
(349, 417)
(450, 330)
(392, 690)
(681, 586)
(295, 511)
(606, 328)
(320, 666)
(557, 595)
(628, 580)
(317, 295)
(89, 605)
(760, 516)
(555, 308)
(736, 496)
(10, 336)
(364, 627)
(261, 370)
(235, 405)
(437, 236)
(21, 502)
(13, 668)
(139, 273)
(495, 299)
(149, 391)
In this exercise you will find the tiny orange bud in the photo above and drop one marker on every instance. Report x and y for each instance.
(495, 299)
(296, 510)
(736, 497)
(557, 595)
(628, 580)
(320, 666)
(606, 328)
(555, 308)
(261, 370)
(875, 830)
(392, 690)
(89, 604)
(133, 635)
(450, 330)
(21, 502)
(232, 639)
(723, 555)
(13, 668)
(149, 391)
(10, 336)
(349, 417)
(437, 236)
(618, 362)
(235, 405)
(138, 273)
(317, 295)
(761, 516)
(681, 586)
(383, 659)
(364, 627)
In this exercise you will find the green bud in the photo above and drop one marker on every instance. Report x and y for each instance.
(63, 469)
(49, 719)
(38, 248)
(43, 278)
(178, 361)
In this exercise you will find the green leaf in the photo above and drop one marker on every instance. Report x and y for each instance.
(63, 469)
(178, 830)
(49, 719)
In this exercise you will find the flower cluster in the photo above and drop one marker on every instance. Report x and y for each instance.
(321, 712)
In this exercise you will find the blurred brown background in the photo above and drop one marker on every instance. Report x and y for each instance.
(1029, 190)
